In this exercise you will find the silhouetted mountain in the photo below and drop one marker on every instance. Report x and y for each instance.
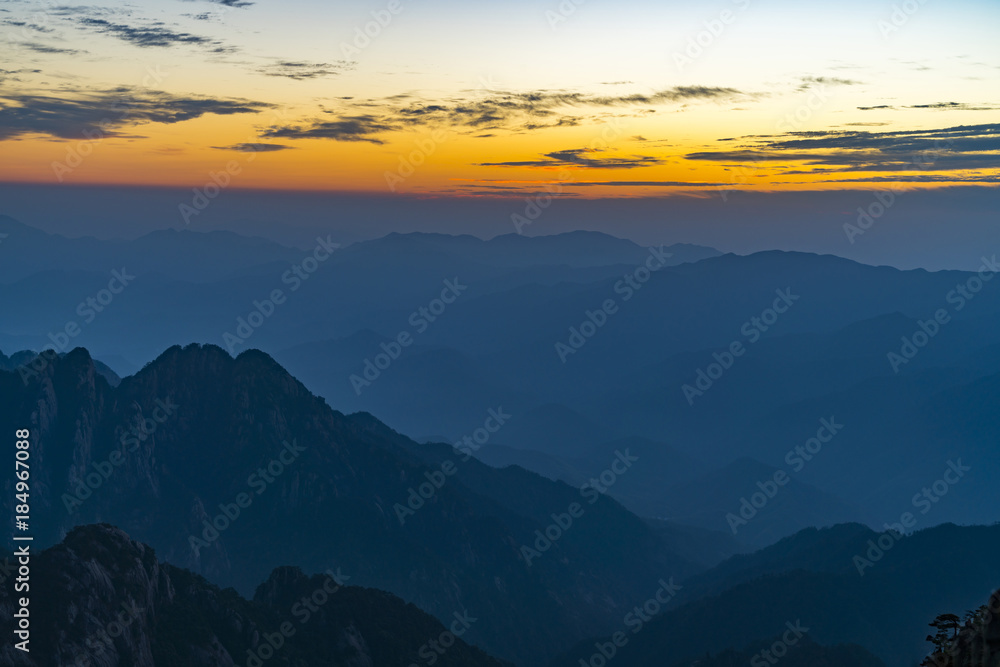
(758, 503)
(971, 640)
(170, 453)
(182, 255)
(839, 583)
(25, 358)
(641, 373)
(101, 598)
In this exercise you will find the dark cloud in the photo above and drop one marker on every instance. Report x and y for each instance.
(152, 35)
(568, 186)
(12, 74)
(955, 106)
(25, 25)
(581, 157)
(77, 114)
(255, 148)
(952, 148)
(917, 178)
(880, 106)
(489, 111)
(810, 81)
(356, 128)
(298, 70)
(44, 48)
(650, 184)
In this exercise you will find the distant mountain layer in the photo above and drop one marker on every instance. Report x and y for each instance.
(847, 585)
(100, 598)
(230, 467)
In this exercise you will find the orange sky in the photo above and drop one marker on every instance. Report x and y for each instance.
(773, 100)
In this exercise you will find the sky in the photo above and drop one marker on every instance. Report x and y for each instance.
(586, 99)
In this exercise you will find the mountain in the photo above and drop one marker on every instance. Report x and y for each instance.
(972, 643)
(641, 371)
(101, 598)
(846, 584)
(758, 503)
(196, 257)
(25, 358)
(230, 467)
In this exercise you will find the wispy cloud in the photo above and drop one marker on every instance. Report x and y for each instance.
(357, 128)
(152, 35)
(581, 157)
(364, 120)
(298, 70)
(72, 113)
(255, 148)
(963, 147)
(955, 106)
(45, 48)
(810, 81)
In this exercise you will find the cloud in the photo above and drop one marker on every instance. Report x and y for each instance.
(810, 81)
(153, 35)
(489, 111)
(302, 70)
(955, 106)
(880, 106)
(581, 157)
(44, 48)
(649, 184)
(918, 178)
(255, 148)
(70, 114)
(357, 128)
(11, 74)
(25, 26)
(952, 148)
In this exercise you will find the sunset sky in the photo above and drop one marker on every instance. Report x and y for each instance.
(593, 99)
